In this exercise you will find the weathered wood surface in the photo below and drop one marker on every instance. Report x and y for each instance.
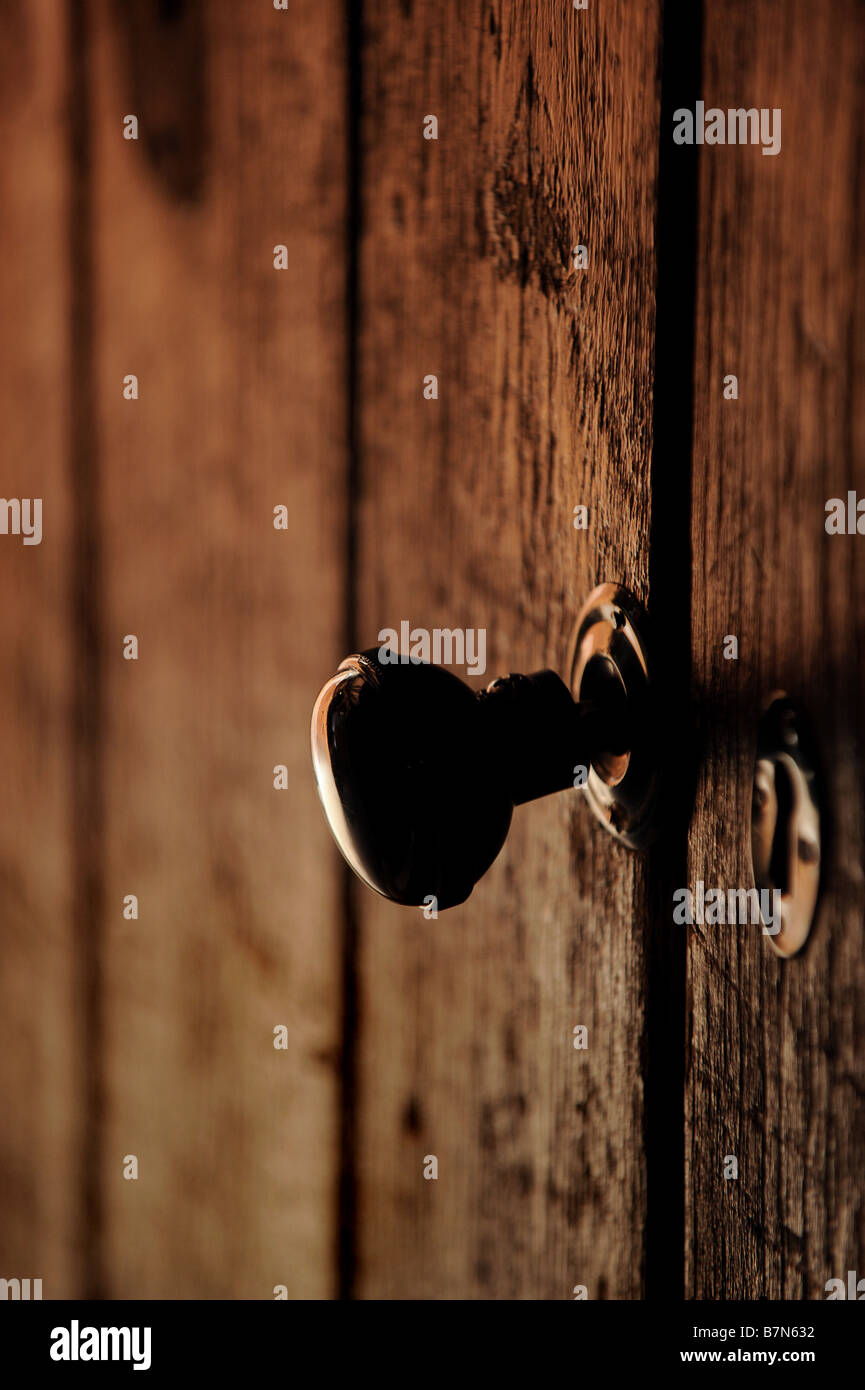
(44, 981)
(777, 1049)
(242, 408)
(304, 387)
(547, 132)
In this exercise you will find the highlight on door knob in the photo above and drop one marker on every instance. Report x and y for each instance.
(419, 774)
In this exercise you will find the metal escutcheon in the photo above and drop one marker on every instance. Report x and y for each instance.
(786, 823)
(610, 668)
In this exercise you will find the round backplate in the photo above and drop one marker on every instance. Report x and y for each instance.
(609, 668)
(786, 824)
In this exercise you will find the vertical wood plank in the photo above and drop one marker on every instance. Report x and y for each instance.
(547, 137)
(777, 1051)
(43, 979)
(241, 371)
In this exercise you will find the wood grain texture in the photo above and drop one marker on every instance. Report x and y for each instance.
(547, 138)
(777, 1049)
(242, 408)
(304, 387)
(43, 983)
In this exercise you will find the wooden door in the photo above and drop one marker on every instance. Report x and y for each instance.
(465, 518)
(776, 1050)
(340, 332)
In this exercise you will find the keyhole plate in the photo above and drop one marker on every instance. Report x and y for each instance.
(609, 669)
(786, 848)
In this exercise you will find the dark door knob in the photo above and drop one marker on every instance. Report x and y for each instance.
(419, 774)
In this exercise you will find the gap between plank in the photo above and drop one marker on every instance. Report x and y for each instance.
(347, 1213)
(665, 1035)
(87, 803)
